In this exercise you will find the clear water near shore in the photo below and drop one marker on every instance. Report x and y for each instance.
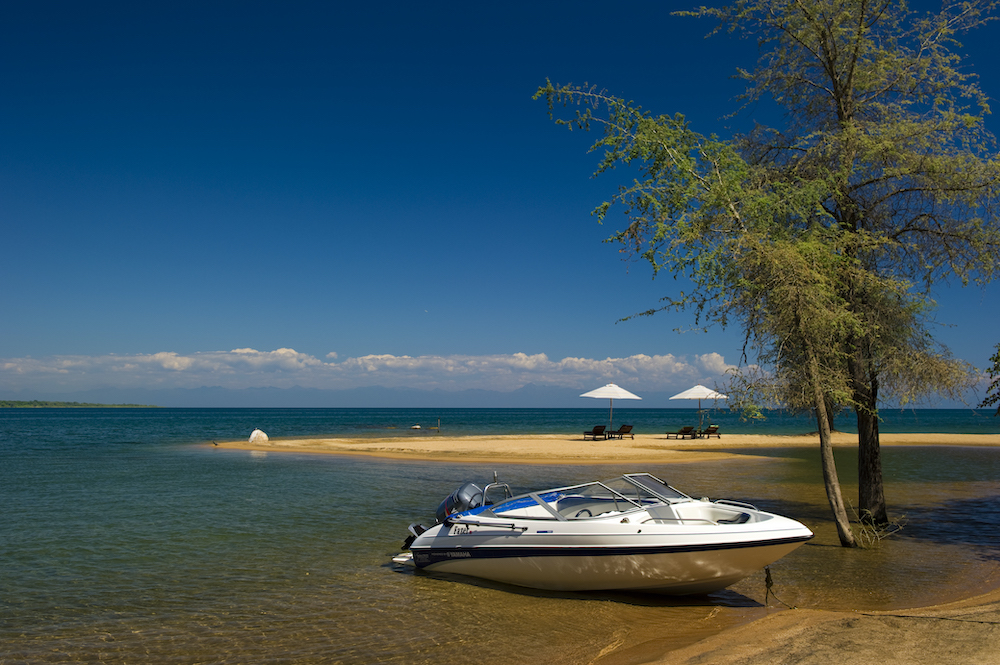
(123, 538)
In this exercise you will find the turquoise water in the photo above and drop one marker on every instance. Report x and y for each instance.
(125, 539)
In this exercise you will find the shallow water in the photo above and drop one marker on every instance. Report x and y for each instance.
(123, 538)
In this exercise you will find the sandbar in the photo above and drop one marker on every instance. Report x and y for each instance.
(573, 449)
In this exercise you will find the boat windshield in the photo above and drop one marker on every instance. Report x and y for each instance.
(655, 485)
(619, 495)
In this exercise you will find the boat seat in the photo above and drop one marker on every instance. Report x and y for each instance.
(742, 518)
(580, 507)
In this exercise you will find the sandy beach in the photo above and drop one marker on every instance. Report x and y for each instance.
(572, 449)
(962, 632)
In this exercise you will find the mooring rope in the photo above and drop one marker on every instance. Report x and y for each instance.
(768, 592)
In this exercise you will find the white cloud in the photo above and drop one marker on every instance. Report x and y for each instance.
(283, 368)
(715, 363)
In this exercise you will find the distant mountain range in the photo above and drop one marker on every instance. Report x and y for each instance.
(528, 396)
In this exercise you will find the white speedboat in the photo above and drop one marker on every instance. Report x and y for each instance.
(634, 532)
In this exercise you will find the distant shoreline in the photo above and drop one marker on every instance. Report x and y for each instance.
(39, 404)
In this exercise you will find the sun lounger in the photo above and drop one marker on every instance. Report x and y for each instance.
(682, 433)
(596, 432)
(710, 432)
(621, 432)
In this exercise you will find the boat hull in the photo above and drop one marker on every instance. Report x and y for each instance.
(668, 569)
(631, 533)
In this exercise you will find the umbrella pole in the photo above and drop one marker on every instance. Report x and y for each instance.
(611, 414)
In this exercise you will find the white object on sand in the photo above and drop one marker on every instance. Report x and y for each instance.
(258, 436)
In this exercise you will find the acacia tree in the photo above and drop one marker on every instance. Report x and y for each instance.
(701, 210)
(876, 100)
(884, 149)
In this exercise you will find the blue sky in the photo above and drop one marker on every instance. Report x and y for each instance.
(336, 196)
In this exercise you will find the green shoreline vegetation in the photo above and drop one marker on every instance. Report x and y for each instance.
(38, 404)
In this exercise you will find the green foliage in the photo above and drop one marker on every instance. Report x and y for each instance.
(881, 105)
(697, 200)
(884, 179)
(796, 320)
(993, 394)
(822, 238)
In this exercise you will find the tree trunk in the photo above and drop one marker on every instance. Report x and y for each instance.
(871, 495)
(830, 479)
(829, 413)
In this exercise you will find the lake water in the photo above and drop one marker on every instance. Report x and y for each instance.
(124, 538)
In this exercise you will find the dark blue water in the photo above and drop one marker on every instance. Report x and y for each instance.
(139, 426)
(123, 538)
(463, 422)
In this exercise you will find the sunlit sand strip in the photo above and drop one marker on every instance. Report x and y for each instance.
(572, 449)
(960, 632)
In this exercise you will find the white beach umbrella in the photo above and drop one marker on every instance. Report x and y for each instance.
(257, 436)
(611, 392)
(699, 393)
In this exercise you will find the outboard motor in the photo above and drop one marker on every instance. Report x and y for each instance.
(466, 497)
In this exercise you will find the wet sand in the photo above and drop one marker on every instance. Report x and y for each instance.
(967, 631)
(963, 632)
